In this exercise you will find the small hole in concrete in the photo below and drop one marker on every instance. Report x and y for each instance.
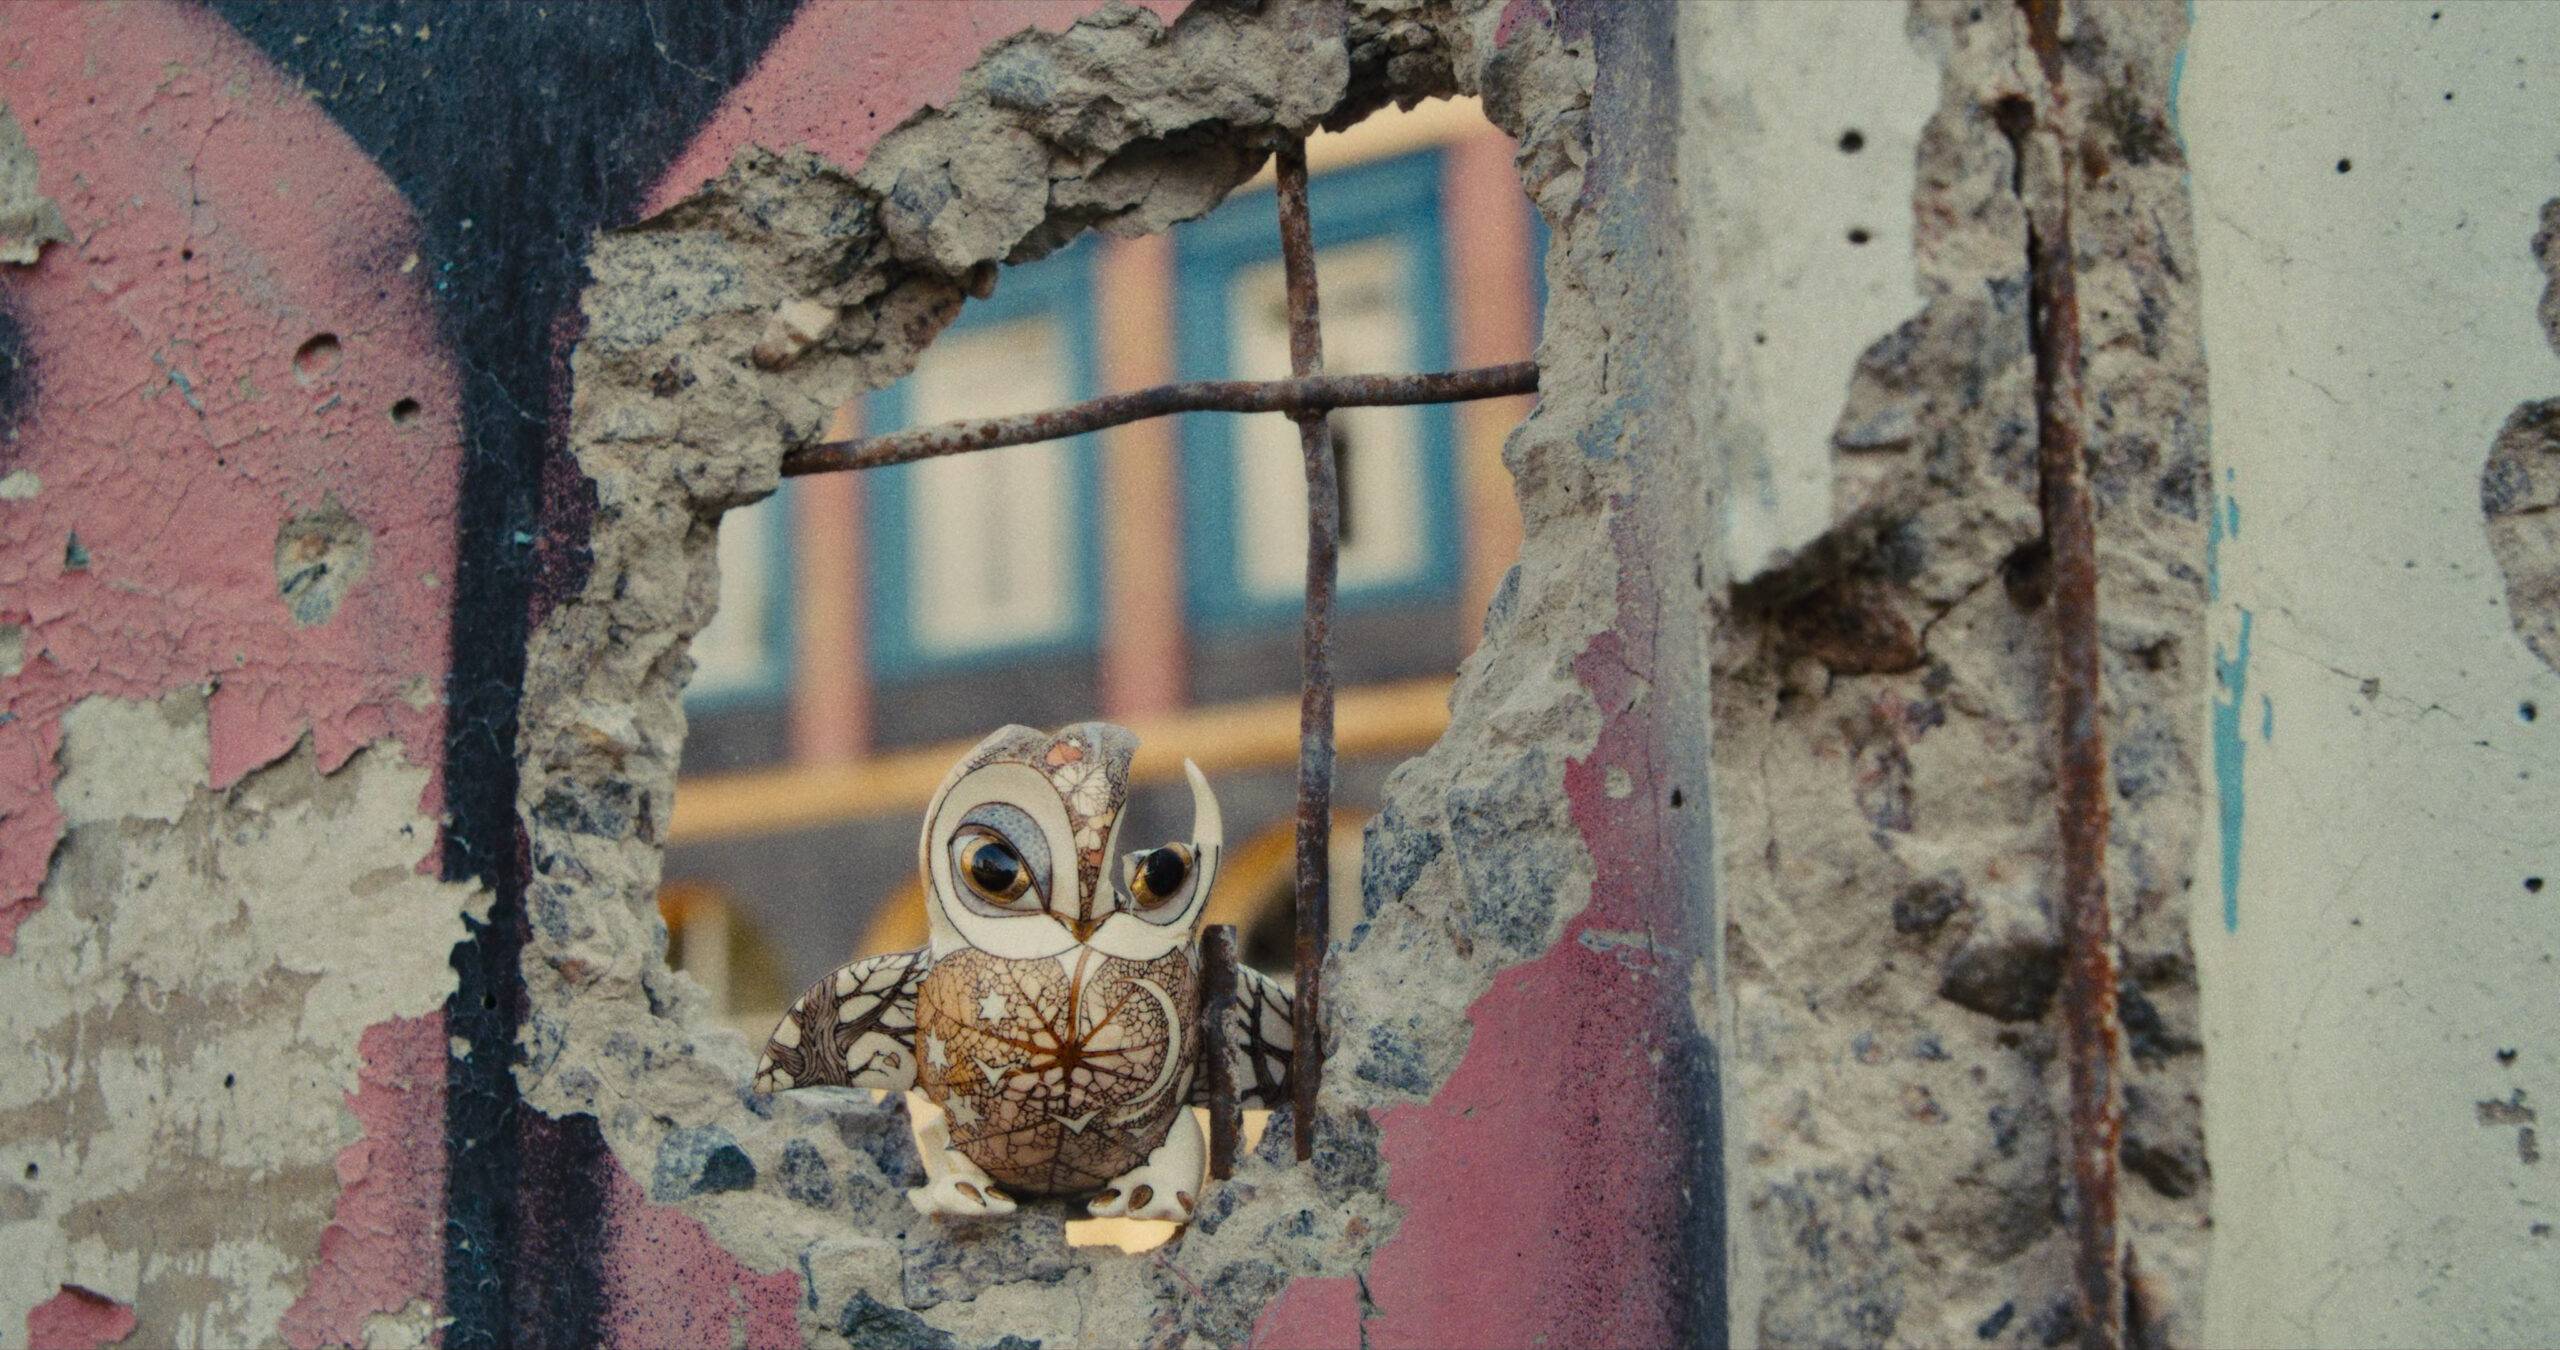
(1858, 235)
(317, 359)
(230, 1080)
(1676, 797)
(2533, 885)
(189, 255)
(403, 412)
(2506, 1056)
(2527, 711)
(31, 1171)
(2345, 164)
(1852, 141)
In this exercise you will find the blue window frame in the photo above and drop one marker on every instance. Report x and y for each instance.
(743, 658)
(1395, 203)
(917, 629)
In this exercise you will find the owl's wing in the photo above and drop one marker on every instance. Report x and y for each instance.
(855, 1028)
(1258, 1041)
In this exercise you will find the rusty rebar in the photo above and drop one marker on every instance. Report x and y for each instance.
(2092, 1032)
(1315, 646)
(1217, 1030)
(1293, 396)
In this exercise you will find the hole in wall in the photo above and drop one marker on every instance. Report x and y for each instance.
(1852, 141)
(318, 358)
(1398, 186)
(1858, 235)
(602, 811)
(404, 412)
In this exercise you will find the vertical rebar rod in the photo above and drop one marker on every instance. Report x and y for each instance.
(1315, 699)
(2092, 1031)
(1217, 1028)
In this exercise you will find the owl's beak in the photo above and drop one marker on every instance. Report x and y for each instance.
(1085, 929)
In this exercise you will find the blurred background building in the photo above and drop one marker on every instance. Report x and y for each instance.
(872, 627)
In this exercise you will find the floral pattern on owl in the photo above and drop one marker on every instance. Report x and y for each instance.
(1048, 1033)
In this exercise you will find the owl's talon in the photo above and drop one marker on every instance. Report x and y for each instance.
(953, 1198)
(1162, 1186)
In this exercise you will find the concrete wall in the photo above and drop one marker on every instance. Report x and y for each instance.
(374, 383)
(1884, 705)
(2373, 195)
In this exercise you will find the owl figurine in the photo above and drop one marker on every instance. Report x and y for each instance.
(1048, 1034)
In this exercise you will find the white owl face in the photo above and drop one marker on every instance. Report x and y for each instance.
(1021, 852)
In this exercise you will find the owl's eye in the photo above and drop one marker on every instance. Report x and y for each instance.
(993, 869)
(1158, 874)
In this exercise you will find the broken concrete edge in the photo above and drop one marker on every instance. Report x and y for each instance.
(1883, 737)
(2520, 482)
(1123, 125)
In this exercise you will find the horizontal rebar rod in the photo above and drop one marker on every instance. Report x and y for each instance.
(1314, 393)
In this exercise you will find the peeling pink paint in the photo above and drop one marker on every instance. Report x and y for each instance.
(219, 221)
(1311, 1314)
(668, 1283)
(840, 77)
(78, 1319)
(1519, 12)
(384, 1248)
(1578, 1243)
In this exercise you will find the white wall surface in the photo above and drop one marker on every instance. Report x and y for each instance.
(2370, 951)
(1775, 198)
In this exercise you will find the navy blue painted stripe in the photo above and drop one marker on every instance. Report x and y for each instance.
(515, 133)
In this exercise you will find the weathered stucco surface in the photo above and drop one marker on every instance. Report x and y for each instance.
(1487, 856)
(2374, 190)
(1884, 713)
(222, 637)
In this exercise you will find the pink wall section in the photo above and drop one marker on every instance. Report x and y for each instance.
(844, 75)
(219, 222)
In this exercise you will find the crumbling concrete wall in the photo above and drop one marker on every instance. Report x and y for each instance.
(1883, 693)
(284, 379)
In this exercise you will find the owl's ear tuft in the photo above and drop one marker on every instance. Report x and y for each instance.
(1208, 832)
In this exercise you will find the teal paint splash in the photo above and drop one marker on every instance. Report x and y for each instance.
(2230, 746)
(2178, 76)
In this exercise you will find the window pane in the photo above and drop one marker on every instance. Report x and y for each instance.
(989, 538)
(1368, 329)
(736, 651)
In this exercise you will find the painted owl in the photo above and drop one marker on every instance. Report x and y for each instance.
(1048, 1034)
